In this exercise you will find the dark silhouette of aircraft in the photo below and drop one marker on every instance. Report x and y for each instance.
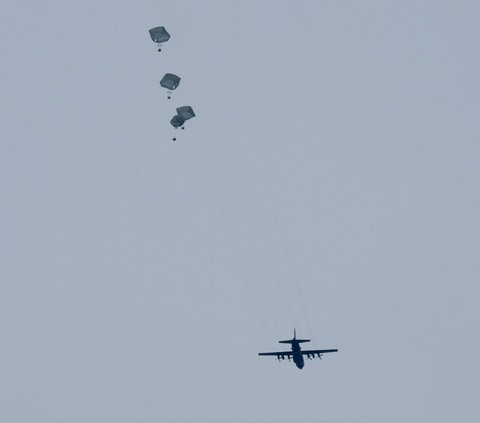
(297, 353)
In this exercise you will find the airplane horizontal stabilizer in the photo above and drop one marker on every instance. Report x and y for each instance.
(292, 341)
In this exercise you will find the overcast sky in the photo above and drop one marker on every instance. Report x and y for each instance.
(330, 182)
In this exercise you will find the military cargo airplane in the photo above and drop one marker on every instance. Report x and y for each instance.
(297, 353)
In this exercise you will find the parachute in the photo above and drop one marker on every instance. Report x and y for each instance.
(183, 114)
(159, 35)
(186, 112)
(170, 82)
(177, 121)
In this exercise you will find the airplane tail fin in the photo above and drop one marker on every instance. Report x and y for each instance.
(294, 340)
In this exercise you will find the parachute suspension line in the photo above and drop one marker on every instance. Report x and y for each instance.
(159, 47)
(254, 301)
(174, 138)
(169, 95)
(279, 296)
(273, 296)
(285, 278)
(303, 308)
(295, 275)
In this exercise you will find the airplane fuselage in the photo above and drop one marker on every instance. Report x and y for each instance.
(297, 356)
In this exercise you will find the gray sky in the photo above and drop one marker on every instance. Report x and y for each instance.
(329, 182)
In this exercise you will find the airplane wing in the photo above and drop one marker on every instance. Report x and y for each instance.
(313, 352)
(278, 354)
